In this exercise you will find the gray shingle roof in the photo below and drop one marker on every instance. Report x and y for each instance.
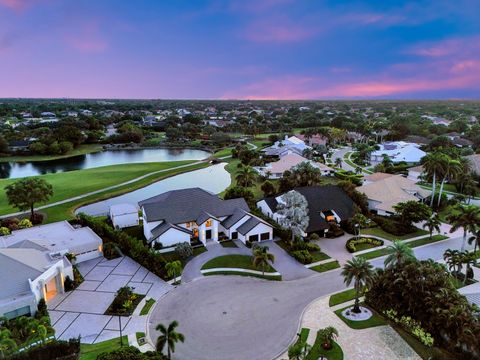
(234, 218)
(180, 206)
(164, 227)
(248, 225)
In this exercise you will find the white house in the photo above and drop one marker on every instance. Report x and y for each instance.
(398, 151)
(124, 215)
(182, 215)
(33, 264)
(275, 170)
(292, 143)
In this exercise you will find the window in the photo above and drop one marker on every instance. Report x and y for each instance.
(187, 225)
(208, 223)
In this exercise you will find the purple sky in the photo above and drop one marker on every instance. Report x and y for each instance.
(245, 49)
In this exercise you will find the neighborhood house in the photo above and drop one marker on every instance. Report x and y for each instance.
(189, 214)
(397, 151)
(124, 215)
(275, 170)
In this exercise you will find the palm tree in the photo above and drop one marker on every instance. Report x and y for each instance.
(338, 162)
(246, 176)
(465, 217)
(328, 335)
(360, 272)
(173, 269)
(168, 337)
(468, 258)
(432, 224)
(433, 164)
(475, 239)
(399, 254)
(7, 344)
(452, 258)
(360, 221)
(450, 171)
(261, 257)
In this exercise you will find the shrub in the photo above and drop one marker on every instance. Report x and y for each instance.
(302, 256)
(25, 224)
(412, 326)
(4, 231)
(184, 250)
(352, 243)
(56, 349)
(42, 311)
(314, 237)
(68, 284)
(11, 223)
(157, 245)
(37, 218)
(392, 226)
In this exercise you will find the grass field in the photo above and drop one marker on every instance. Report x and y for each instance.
(91, 351)
(234, 261)
(223, 153)
(81, 150)
(236, 273)
(376, 231)
(318, 352)
(384, 251)
(146, 308)
(326, 267)
(341, 297)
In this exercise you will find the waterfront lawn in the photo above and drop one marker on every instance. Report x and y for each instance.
(223, 152)
(81, 150)
(341, 297)
(65, 211)
(326, 267)
(234, 261)
(73, 183)
(91, 351)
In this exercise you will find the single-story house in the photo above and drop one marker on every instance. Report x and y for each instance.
(388, 191)
(275, 170)
(34, 266)
(398, 151)
(19, 145)
(182, 215)
(414, 173)
(314, 140)
(326, 204)
(292, 143)
(124, 215)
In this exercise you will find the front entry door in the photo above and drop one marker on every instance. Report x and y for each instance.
(208, 234)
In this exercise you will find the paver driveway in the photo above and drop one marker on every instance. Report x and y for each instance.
(80, 312)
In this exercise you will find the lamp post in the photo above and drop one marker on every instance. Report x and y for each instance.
(120, 327)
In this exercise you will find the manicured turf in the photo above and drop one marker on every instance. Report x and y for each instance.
(385, 251)
(303, 335)
(73, 183)
(81, 150)
(376, 231)
(139, 335)
(316, 255)
(342, 297)
(325, 267)
(375, 320)
(260, 276)
(65, 211)
(234, 261)
(91, 351)
(223, 153)
(146, 308)
(228, 244)
(317, 351)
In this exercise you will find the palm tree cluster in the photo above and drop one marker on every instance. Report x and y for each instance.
(441, 168)
(456, 259)
(466, 217)
(262, 258)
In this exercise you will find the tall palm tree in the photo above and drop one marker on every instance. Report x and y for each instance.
(360, 272)
(432, 224)
(338, 162)
(399, 254)
(169, 337)
(173, 269)
(475, 239)
(433, 163)
(452, 168)
(465, 217)
(246, 176)
(261, 257)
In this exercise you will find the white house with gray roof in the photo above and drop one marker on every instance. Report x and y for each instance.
(182, 215)
(33, 264)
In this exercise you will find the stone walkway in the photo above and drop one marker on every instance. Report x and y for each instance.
(81, 312)
(380, 342)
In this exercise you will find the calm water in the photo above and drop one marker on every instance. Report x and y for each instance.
(214, 179)
(104, 158)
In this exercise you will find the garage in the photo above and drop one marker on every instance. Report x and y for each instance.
(265, 236)
(253, 238)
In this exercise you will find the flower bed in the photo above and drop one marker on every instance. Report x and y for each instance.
(362, 243)
(124, 303)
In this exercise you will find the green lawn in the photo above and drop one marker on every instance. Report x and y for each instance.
(172, 255)
(260, 276)
(139, 335)
(146, 308)
(67, 185)
(81, 150)
(325, 267)
(234, 261)
(223, 153)
(317, 351)
(91, 351)
(375, 320)
(376, 231)
(385, 251)
(342, 297)
(232, 168)
(228, 244)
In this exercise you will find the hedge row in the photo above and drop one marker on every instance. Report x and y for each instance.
(352, 243)
(56, 349)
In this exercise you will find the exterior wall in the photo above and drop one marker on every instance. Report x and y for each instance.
(257, 230)
(262, 205)
(202, 229)
(414, 175)
(58, 271)
(125, 220)
(148, 227)
(27, 300)
(89, 256)
(172, 237)
(234, 227)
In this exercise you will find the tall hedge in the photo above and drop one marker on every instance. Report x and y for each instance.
(52, 350)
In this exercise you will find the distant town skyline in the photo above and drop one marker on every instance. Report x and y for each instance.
(240, 49)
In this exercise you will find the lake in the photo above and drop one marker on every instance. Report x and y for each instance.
(9, 170)
(214, 179)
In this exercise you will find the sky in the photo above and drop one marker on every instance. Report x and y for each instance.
(240, 49)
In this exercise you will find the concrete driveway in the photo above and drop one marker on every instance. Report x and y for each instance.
(233, 317)
(80, 312)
